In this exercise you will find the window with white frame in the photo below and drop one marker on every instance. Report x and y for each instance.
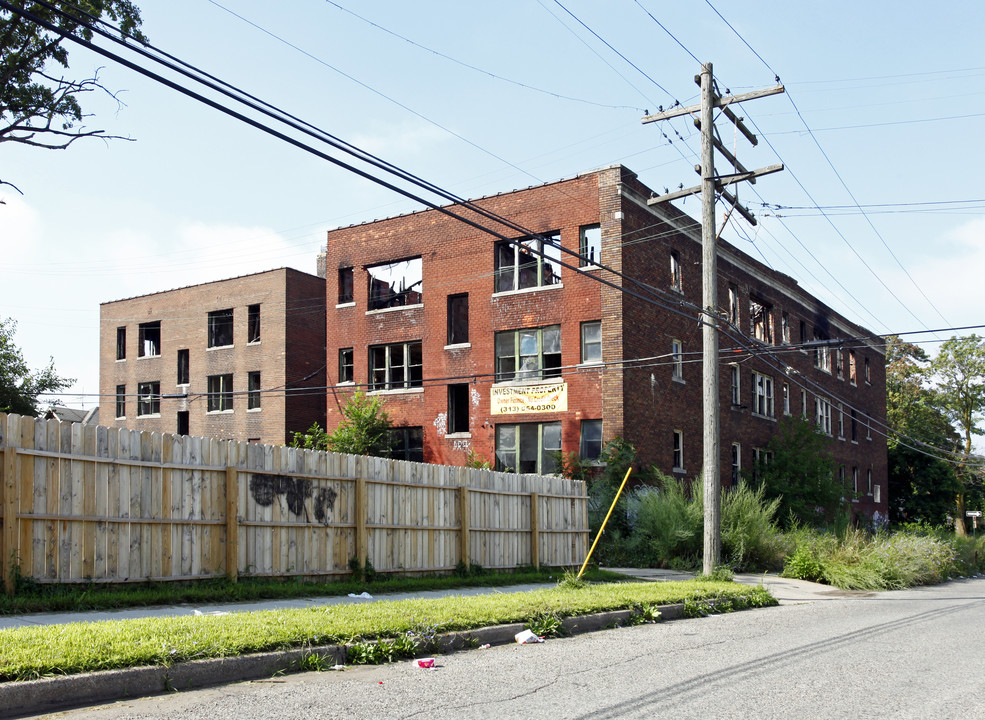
(736, 463)
(822, 354)
(785, 328)
(678, 451)
(841, 421)
(590, 245)
(733, 305)
(675, 271)
(852, 368)
(677, 359)
(220, 393)
(786, 398)
(527, 447)
(396, 366)
(591, 341)
(149, 398)
(855, 481)
(253, 401)
(762, 394)
(528, 354)
(346, 366)
(868, 482)
(528, 262)
(822, 414)
(736, 385)
(803, 403)
(121, 401)
(761, 458)
(590, 443)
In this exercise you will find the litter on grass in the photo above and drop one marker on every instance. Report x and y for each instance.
(526, 637)
(362, 596)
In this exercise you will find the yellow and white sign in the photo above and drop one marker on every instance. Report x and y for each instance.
(516, 399)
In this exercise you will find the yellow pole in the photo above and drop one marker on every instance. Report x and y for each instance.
(602, 529)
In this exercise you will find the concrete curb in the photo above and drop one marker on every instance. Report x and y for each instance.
(33, 697)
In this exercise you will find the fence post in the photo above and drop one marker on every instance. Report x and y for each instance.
(465, 524)
(8, 544)
(362, 507)
(232, 523)
(535, 530)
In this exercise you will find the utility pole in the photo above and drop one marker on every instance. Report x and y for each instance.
(712, 185)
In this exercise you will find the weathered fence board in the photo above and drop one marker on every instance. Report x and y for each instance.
(80, 504)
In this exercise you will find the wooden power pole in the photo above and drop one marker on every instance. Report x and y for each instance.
(711, 186)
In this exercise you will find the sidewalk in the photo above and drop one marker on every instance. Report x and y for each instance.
(49, 694)
(786, 590)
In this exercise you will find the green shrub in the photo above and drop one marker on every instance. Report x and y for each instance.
(668, 523)
(750, 536)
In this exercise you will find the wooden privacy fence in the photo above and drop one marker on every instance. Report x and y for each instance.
(81, 504)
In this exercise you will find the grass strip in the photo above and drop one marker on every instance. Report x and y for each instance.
(37, 597)
(33, 652)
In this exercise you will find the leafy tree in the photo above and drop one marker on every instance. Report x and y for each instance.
(38, 105)
(798, 469)
(365, 429)
(959, 376)
(922, 486)
(19, 387)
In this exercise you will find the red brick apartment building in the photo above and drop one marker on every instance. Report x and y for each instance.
(481, 346)
(239, 359)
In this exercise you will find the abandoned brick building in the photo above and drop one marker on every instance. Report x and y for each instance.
(509, 353)
(239, 359)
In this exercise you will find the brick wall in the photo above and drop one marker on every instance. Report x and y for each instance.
(291, 343)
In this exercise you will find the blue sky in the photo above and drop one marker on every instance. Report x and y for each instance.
(895, 103)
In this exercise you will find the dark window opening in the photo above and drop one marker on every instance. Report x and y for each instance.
(253, 390)
(149, 339)
(396, 284)
(345, 285)
(407, 443)
(458, 408)
(458, 319)
(183, 419)
(121, 343)
(221, 328)
(220, 392)
(253, 324)
(345, 365)
(183, 368)
(528, 262)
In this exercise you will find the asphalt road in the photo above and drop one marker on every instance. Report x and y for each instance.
(909, 654)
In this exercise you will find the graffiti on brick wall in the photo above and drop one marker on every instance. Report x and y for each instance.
(295, 493)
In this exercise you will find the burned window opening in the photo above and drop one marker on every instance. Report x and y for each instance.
(396, 284)
(458, 319)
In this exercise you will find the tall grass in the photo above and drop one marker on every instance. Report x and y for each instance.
(860, 561)
(668, 526)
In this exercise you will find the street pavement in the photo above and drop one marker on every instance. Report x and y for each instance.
(914, 653)
(26, 698)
